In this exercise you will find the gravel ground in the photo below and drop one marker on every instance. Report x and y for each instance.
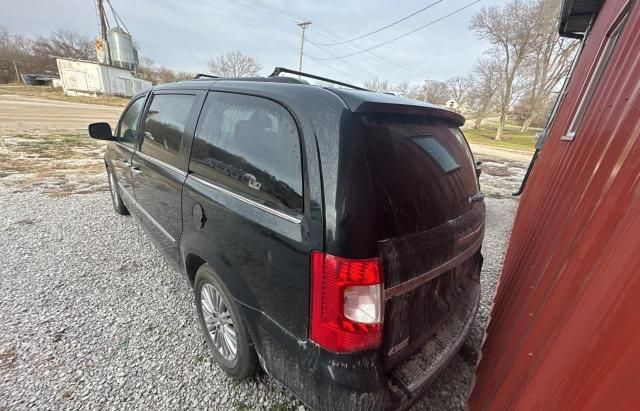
(93, 317)
(501, 177)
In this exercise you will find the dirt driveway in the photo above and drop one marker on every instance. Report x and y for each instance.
(47, 146)
(20, 114)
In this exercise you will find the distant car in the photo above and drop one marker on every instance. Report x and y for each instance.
(331, 235)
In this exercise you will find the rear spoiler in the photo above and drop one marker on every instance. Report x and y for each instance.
(372, 102)
(428, 111)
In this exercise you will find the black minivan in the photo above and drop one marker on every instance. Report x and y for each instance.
(331, 235)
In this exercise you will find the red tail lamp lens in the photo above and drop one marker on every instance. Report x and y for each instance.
(346, 302)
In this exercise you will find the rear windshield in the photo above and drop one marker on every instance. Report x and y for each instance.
(421, 170)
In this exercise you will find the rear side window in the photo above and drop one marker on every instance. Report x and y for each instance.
(164, 126)
(251, 146)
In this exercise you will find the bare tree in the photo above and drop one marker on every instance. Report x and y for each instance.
(14, 55)
(485, 84)
(183, 75)
(381, 86)
(234, 64)
(511, 31)
(156, 74)
(146, 69)
(460, 88)
(66, 43)
(435, 92)
(550, 62)
(403, 89)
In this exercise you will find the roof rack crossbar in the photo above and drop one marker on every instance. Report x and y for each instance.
(201, 75)
(278, 70)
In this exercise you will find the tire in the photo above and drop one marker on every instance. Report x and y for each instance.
(116, 198)
(243, 363)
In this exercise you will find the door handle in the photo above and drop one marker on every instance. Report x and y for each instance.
(136, 170)
(126, 163)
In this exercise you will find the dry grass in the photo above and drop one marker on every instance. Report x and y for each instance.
(58, 163)
(57, 94)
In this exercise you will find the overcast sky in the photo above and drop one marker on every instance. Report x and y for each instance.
(185, 35)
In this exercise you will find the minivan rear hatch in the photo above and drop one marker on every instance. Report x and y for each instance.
(429, 219)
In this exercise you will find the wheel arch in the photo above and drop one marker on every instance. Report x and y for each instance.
(192, 263)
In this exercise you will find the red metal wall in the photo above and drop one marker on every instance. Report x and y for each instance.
(565, 327)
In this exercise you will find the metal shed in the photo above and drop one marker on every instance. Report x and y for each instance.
(81, 77)
(565, 327)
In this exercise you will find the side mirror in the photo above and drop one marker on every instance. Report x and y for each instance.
(101, 131)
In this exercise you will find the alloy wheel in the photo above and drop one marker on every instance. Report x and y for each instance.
(217, 318)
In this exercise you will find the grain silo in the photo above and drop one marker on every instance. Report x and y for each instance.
(121, 49)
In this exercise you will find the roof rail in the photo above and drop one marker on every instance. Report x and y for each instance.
(201, 75)
(278, 70)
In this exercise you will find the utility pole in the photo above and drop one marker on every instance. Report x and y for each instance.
(103, 28)
(303, 25)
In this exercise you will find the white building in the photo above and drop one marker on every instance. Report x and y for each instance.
(453, 105)
(89, 78)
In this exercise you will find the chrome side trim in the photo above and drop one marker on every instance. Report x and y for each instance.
(147, 215)
(155, 223)
(262, 207)
(160, 163)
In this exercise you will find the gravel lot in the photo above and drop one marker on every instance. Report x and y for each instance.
(93, 317)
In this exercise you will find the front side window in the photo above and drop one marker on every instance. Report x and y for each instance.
(164, 126)
(128, 127)
(251, 146)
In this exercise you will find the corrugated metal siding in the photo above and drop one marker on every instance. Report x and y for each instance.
(565, 327)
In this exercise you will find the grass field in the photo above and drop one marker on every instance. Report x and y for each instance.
(57, 94)
(512, 138)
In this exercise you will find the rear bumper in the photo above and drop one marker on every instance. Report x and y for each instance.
(329, 381)
(410, 380)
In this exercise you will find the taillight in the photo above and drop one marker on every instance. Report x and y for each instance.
(346, 302)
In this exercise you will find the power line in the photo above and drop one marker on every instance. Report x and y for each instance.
(333, 68)
(274, 11)
(383, 28)
(405, 34)
(324, 33)
(289, 17)
(216, 7)
(117, 17)
(371, 55)
(285, 15)
(333, 55)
